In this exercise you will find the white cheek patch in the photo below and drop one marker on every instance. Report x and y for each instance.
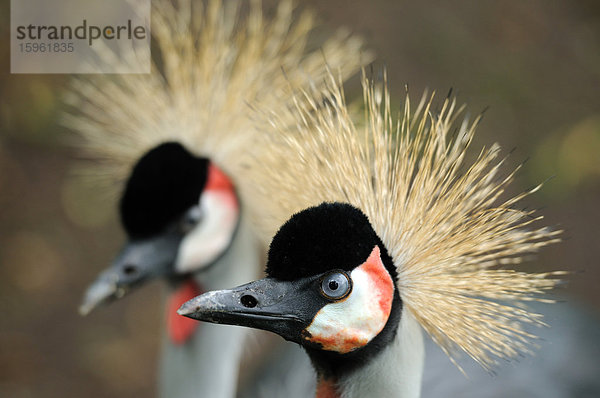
(213, 234)
(352, 323)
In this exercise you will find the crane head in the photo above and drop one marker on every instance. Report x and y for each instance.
(330, 286)
(180, 213)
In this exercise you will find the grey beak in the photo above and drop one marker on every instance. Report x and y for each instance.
(282, 307)
(138, 262)
(101, 290)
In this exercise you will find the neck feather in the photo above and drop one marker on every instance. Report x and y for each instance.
(189, 369)
(395, 372)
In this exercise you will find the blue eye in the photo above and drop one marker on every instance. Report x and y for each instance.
(192, 217)
(336, 285)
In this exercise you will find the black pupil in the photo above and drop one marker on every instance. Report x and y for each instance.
(333, 285)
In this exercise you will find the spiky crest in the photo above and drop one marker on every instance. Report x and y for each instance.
(211, 64)
(441, 220)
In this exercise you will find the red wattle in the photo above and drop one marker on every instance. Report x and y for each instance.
(180, 328)
(326, 389)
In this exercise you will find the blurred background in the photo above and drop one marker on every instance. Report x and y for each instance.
(535, 64)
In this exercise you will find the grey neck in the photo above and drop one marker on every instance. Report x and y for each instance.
(208, 363)
(396, 371)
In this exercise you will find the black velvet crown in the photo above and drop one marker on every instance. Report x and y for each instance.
(322, 238)
(163, 184)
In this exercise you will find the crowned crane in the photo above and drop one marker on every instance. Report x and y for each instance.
(389, 233)
(180, 142)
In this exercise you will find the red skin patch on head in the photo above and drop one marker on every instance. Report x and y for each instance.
(381, 278)
(326, 388)
(218, 182)
(180, 328)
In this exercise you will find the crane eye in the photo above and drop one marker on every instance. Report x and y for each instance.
(336, 285)
(191, 218)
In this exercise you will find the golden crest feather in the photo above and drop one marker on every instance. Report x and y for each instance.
(212, 63)
(441, 220)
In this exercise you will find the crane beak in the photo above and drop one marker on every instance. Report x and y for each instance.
(101, 290)
(138, 262)
(282, 307)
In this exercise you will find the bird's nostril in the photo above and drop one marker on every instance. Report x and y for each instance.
(130, 269)
(248, 301)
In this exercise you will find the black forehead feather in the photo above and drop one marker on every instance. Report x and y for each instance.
(322, 238)
(164, 183)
